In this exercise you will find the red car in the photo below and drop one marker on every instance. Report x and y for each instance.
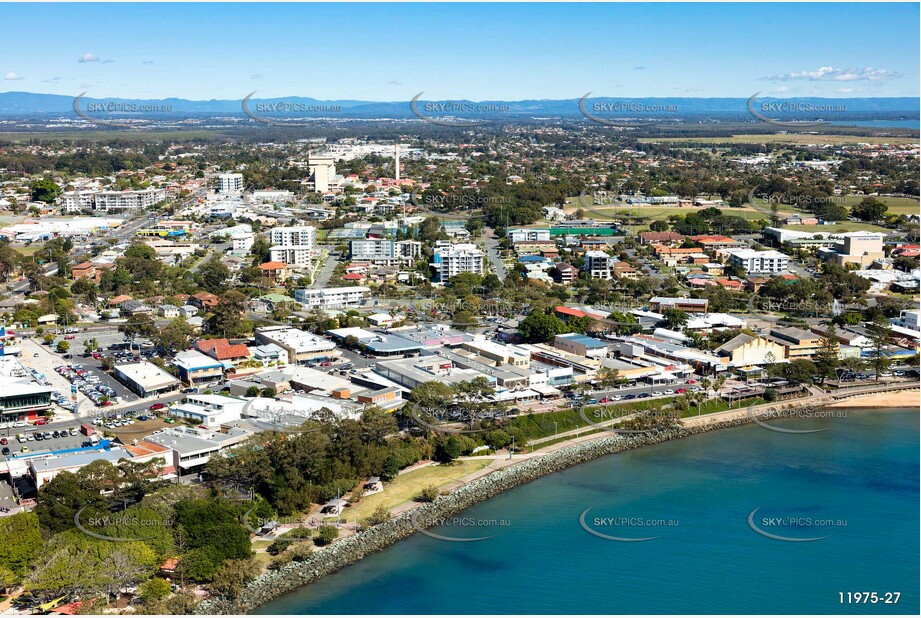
(681, 390)
(97, 355)
(4, 441)
(158, 406)
(70, 337)
(40, 421)
(692, 381)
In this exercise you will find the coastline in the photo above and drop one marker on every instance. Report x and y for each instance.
(274, 584)
(889, 399)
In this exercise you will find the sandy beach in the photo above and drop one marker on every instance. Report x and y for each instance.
(893, 399)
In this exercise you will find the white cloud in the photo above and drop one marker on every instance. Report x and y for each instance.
(88, 57)
(639, 68)
(53, 79)
(393, 82)
(257, 76)
(148, 62)
(831, 74)
(12, 76)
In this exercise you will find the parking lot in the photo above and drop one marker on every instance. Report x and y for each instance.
(37, 443)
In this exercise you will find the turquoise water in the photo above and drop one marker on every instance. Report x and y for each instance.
(862, 471)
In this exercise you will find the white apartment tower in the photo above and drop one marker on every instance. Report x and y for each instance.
(451, 260)
(299, 235)
(230, 183)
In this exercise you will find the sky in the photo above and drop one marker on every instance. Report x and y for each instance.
(391, 52)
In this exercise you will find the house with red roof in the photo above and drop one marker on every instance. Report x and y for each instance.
(565, 312)
(356, 278)
(276, 271)
(731, 284)
(223, 350)
(204, 300)
(712, 242)
(668, 239)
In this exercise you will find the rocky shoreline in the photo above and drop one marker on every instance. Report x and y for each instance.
(292, 576)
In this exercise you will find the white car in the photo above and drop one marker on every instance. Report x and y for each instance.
(657, 393)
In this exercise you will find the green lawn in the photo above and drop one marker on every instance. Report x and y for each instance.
(842, 226)
(408, 485)
(897, 205)
(653, 213)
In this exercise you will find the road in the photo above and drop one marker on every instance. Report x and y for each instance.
(325, 272)
(492, 254)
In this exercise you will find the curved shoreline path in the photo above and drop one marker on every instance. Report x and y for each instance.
(503, 474)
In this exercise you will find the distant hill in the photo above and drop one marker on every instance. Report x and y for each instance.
(27, 103)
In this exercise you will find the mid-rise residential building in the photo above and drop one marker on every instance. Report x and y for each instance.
(294, 236)
(566, 273)
(385, 251)
(623, 270)
(243, 242)
(230, 183)
(294, 256)
(759, 261)
(598, 264)
(332, 298)
(78, 201)
(109, 201)
(451, 260)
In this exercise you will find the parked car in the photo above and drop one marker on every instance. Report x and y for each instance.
(39, 422)
(5, 451)
(24, 449)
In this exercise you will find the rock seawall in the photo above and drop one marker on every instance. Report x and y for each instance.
(294, 575)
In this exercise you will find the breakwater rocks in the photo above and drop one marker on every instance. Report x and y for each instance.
(349, 550)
